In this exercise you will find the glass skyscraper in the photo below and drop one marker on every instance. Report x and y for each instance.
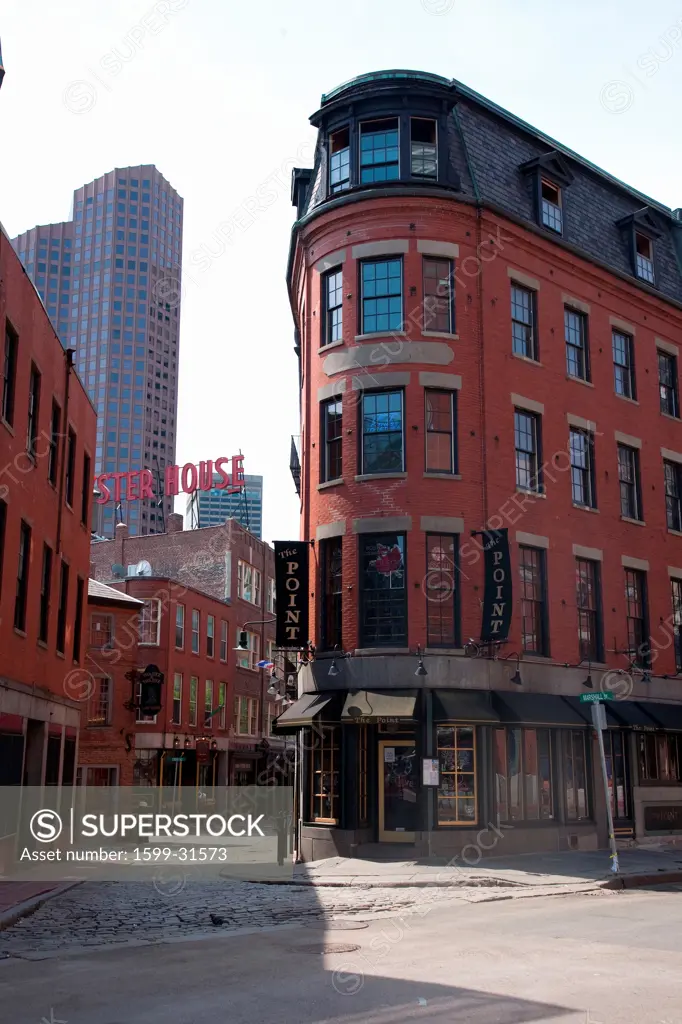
(110, 279)
(212, 508)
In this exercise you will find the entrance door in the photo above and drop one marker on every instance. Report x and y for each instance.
(398, 782)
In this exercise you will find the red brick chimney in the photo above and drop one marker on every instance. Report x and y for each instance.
(174, 523)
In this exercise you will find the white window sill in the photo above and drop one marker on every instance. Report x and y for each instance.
(526, 359)
(624, 398)
(635, 522)
(675, 533)
(531, 494)
(580, 380)
(332, 344)
(380, 334)
(585, 508)
(440, 334)
(442, 476)
(330, 483)
(675, 419)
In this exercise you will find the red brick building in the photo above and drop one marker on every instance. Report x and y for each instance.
(200, 589)
(47, 440)
(488, 329)
(106, 754)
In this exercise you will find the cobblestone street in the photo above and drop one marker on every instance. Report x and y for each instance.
(103, 913)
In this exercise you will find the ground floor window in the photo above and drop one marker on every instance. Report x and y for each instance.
(97, 776)
(659, 756)
(325, 774)
(617, 772)
(363, 815)
(575, 775)
(523, 774)
(457, 762)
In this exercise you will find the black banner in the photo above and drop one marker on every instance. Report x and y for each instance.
(151, 681)
(497, 600)
(291, 581)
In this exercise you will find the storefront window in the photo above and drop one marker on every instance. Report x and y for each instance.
(457, 761)
(616, 772)
(523, 774)
(575, 775)
(659, 757)
(325, 763)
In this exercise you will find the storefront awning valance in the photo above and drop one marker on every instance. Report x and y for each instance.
(630, 713)
(536, 709)
(463, 706)
(379, 706)
(311, 707)
(666, 716)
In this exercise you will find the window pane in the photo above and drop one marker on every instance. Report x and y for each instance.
(440, 590)
(383, 591)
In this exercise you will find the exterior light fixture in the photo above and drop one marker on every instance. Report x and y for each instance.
(421, 670)
(176, 742)
(588, 682)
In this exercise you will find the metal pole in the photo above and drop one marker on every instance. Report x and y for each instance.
(429, 753)
(609, 815)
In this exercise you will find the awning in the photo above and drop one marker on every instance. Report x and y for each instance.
(379, 706)
(305, 711)
(666, 716)
(463, 706)
(630, 713)
(536, 709)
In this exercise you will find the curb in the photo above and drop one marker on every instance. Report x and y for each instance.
(641, 881)
(28, 907)
(356, 882)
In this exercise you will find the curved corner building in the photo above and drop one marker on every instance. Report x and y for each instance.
(487, 328)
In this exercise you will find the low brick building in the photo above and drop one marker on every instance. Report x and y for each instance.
(106, 754)
(199, 589)
(47, 443)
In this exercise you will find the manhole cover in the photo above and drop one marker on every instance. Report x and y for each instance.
(328, 947)
(341, 926)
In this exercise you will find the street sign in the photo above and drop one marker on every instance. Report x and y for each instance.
(175, 760)
(594, 698)
(598, 716)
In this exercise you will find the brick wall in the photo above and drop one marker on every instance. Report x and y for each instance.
(481, 354)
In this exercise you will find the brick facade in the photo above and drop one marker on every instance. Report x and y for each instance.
(38, 713)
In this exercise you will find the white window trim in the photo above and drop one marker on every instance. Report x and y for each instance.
(157, 602)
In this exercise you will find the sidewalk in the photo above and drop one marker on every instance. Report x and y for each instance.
(20, 898)
(586, 870)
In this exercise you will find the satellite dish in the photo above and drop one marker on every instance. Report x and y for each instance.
(118, 569)
(144, 568)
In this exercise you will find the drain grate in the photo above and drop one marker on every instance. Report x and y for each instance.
(328, 947)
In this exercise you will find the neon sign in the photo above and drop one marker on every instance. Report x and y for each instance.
(139, 483)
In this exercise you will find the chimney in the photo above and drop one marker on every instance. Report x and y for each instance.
(174, 523)
(121, 531)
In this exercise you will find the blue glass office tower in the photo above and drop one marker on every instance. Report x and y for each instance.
(212, 508)
(110, 279)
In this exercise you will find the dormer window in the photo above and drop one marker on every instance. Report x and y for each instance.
(423, 148)
(379, 151)
(644, 257)
(550, 195)
(339, 160)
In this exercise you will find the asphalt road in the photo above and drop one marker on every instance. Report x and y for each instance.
(602, 958)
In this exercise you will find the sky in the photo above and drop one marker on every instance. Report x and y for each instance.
(218, 95)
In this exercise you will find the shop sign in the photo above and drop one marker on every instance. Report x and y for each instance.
(430, 771)
(389, 755)
(663, 819)
(151, 681)
(138, 484)
(497, 598)
(243, 766)
(202, 749)
(291, 582)
(378, 720)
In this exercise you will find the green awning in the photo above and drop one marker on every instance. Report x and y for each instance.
(379, 706)
(536, 709)
(307, 709)
(463, 706)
